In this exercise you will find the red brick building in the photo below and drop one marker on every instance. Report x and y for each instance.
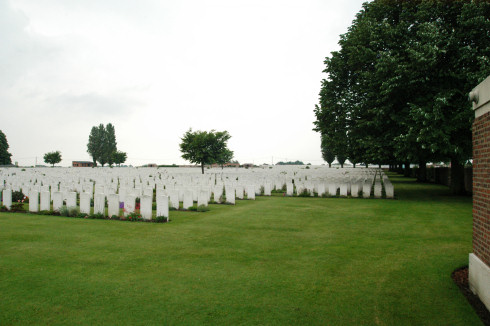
(80, 164)
(479, 269)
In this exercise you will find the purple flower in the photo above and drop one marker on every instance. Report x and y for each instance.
(121, 204)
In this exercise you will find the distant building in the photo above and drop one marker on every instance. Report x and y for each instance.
(82, 164)
(248, 165)
(151, 165)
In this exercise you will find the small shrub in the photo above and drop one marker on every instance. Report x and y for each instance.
(97, 216)
(114, 217)
(3, 209)
(134, 217)
(304, 193)
(17, 196)
(160, 219)
(172, 208)
(202, 208)
(69, 211)
(192, 209)
(17, 207)
(81, 215)
(46, 212)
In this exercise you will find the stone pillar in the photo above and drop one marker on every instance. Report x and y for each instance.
(85, 203)
(7, 198)
(146, 206)
(57, 201)
(45, 200)
(479, 260)
(162, 206)
(33, 201)
(113, 205)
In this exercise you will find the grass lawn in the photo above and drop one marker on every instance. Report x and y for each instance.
(274, 261)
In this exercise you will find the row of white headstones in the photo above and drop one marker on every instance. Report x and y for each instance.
(56, 186)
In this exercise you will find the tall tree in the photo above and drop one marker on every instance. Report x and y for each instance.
(52, 157)
(203, 147)
(402, 77)
(102, 143)
(110, 145)
(327, 153)
(5, 156)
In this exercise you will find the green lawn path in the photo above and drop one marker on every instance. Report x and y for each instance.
(272, 261)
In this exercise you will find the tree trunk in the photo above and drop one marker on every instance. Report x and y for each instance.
(457, 178)
(422, 172)
(329, 165)
(354, 165)
(202, 168)
(406, 172)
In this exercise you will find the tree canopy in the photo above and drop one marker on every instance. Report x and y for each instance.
(119, 157)
(5, 156)
(102, 144)
(397, 90)
(206, 147)
(52, 157)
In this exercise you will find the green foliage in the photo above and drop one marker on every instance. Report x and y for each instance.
(119, 157)
(290, 163)
(160, 219)
(17, 196)
(5, 156)
(202, 208)
(134, 217)
(97, 216)
(17, 207)
(102, 144)
(206, 147)
(397, 89)
(52, 157)
(69, 211)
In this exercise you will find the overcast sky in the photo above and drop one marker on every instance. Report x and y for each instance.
(154, 69)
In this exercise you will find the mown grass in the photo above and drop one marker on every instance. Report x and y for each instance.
(274, 261)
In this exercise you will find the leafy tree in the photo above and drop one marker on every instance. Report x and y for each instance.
(290, 163)
(110, 144)
(327, 153)
(401, 80)
(119, 157)
(203, 147)
(102, 143)
(4, 154)
(52, 157)
(224, 157)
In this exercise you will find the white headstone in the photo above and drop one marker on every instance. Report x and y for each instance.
(146, 207)
(188, 199)
(267, 189)
(230, 194)
(99, 204)
(7, 198)
(289, 188)
(203, 198)
(251, 192)
(129, 204)
(354, 190)
(389, 189)
(33, 201)
(45, 200)
(113, 205)
(85, 203)
(239, 192)
(366, 189)
(377, 189)
(162, 206)
(174, 198)
(218, 193)
(71, 199)
(57, 201)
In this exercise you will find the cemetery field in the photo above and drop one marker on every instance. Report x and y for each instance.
(276, 260)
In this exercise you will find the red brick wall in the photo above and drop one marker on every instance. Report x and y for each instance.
(481, 188)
